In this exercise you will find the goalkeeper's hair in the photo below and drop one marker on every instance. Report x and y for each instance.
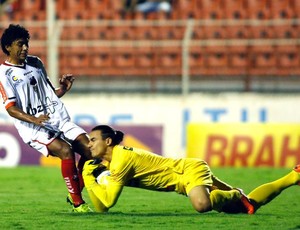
(11, 34)
(107, 131)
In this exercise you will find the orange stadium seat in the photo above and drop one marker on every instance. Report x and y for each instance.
(237, 32)
(74, 33)
(196, 57)
(100, 33)
(212, 9)
(37, 33)
(259, 9)
(261, 32)
(75, 5)
(216, 56)
(282, 9)
(285, 31)
(122, 32)
(288, 56)
(238, 60)
(235, 9)
(215, 32)
(171, 32)
(100, 57)
(146, 33)
(75, 59)
(123, 57)
(168, 61)
(145, 57)
(198, 33)
(263, 56)
(32, 5)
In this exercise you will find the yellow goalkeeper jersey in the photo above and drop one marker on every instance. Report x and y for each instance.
(143, 169)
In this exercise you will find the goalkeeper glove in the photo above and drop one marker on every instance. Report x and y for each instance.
(90, 169)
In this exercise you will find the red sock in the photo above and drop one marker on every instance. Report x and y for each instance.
(80, 168)
(70, 175)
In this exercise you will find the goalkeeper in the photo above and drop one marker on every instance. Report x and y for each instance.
(187, 176)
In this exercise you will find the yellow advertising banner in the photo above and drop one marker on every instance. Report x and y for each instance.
(245, 145)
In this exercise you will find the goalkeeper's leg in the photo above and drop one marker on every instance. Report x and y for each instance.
(267, 192)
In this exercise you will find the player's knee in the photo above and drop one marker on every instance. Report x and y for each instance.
(203, 206)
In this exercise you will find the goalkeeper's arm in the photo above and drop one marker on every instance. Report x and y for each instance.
(105, 194)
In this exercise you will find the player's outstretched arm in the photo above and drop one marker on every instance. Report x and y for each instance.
(106, 192)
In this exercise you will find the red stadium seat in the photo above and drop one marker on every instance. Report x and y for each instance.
(237, 32)
(196, 57)
(146, 33)
(261, 32)
(239, 61)
(216, 56)
(235, 9)
(288, 56)
(171, 32)
(214, 32)
(100, 57)
(123, 57)
(263, 56)
(212, 9)
(145, 57)
(259, 9)
(37, 33)
(285, 31)
(282, 9)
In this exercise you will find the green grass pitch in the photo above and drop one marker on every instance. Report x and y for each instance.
(34, 198)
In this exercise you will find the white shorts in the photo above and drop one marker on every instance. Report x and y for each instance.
(42, 138)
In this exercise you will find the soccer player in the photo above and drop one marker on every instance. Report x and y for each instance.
(39, 115)
(187, 176)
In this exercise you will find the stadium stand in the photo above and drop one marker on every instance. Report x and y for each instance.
(228, 37)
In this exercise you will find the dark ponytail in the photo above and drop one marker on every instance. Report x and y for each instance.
(107, 131)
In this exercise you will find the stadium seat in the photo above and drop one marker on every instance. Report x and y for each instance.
(238, 56)
(196, 57)
(75, 59)
(169, 56)
(100, 57)
(237, 32)
(198, 33)
(212, 9)
(216, 56)
(74, 33)
(263, 56)
(75, 5)
(235, 9)
(32, 5)
(145, 57)
(261, 32)
(285, 31)
(282, 9)
(146, 33)
(37, 33)
(259, 9)
(288, 56)
(170, 32)
(100, 33)
(122, 33)
(214, 32)
(123, 57)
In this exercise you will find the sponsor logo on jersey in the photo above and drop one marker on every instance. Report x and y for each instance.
(16, 79)
(8, 72)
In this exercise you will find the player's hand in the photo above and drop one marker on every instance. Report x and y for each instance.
(41, 119)
(66, 82)
(87, 173)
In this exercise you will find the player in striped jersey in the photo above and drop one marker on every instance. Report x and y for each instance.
(39, 115)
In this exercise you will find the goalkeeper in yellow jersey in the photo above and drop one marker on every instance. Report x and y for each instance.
(116, 166)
